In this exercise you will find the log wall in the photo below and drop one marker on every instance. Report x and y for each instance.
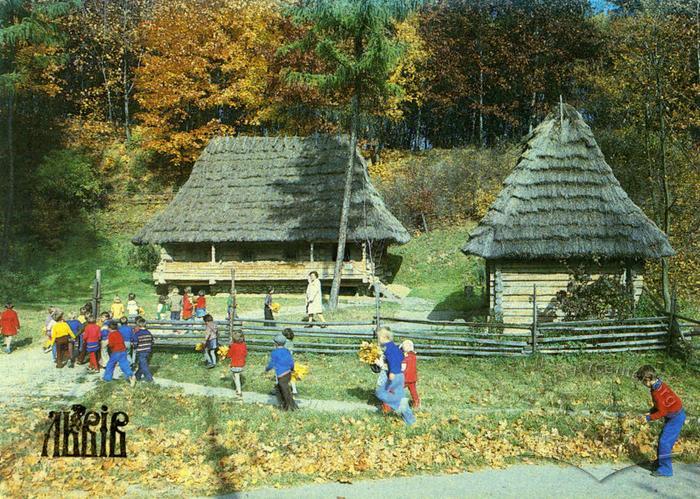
(511, 287)
(257, 262)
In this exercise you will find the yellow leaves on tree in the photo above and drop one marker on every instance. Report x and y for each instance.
(205, 71)
(408, 74)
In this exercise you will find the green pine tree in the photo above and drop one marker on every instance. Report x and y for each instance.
(22, 23)
(357, 42)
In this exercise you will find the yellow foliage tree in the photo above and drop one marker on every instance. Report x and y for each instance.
(206, 71)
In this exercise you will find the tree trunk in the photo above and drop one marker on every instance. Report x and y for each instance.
(127, 130)
(665, 194)
(10, 185)
(345, 211)
(481, 108)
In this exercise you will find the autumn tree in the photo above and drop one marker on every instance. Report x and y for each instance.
(644, 92)
(205, 71)
(357, 40)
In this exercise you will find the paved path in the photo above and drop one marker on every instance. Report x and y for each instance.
(263, 398)
(28, 373)
(521, 481)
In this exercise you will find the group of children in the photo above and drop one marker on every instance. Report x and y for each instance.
(109, 341)
(177, 307)
(101, 342)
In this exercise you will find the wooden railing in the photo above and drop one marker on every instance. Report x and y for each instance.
(440, 338)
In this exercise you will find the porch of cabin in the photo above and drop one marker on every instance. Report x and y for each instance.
(200, 263)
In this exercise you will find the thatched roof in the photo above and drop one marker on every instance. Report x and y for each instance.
(268, 189)
(563, 201)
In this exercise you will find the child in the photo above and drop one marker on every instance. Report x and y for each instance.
(9, 325)
(392, 393)
(200, 307)
(61, 335)
(289, 345)
(76, 327)
(410, 371)
(667, 405)
(117, 308)
(48, 326)
(237, 352)
(105, 321)
(282, 362)
(132, 308)
(163, 310)
(82, 316)
(126, 332)
(91, 338)
(117, 355)
(211, 341)
(175, 304)
(267, 308)
(187, 304)
(143, 344)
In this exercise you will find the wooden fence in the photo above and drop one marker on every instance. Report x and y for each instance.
(441, 338)
(444, 338)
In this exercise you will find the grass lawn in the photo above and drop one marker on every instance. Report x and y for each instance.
(195, 445)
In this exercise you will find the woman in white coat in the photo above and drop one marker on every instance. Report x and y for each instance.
(314, 297)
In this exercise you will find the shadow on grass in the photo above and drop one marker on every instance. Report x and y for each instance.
(215, 452)
(363, 394)
(24, 342)
(461, 305)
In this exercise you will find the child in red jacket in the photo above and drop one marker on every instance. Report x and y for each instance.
(91, 339)
(667, 405)
(237, 352)
(9, 325)
(410, 371)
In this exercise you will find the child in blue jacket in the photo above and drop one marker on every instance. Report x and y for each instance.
(282, 362)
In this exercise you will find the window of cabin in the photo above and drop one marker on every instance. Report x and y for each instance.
(290, 253)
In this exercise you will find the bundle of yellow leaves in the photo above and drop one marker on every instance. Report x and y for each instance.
(369, 352)
(222, 351)
(275, 307)
(300, 370)
(199, 347)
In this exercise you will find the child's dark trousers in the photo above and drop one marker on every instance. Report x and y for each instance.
(667, 439)
(284, 393)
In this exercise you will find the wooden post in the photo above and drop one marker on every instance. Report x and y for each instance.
(213, 253)
(96, 293)
(311, 252)
(377, 306)
(234, 305)
(534, 318)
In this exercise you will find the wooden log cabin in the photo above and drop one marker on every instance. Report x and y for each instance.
(561, 208)
(270, 208)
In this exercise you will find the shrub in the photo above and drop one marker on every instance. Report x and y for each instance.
(143, 257)
(64, 191)
(606, 297)
(439, 187)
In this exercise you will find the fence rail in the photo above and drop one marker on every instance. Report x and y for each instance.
(441, 338)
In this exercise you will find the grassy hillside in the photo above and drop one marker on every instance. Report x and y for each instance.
(435, 268)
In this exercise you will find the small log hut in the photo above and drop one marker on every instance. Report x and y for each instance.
(560, 208)
(270, 208)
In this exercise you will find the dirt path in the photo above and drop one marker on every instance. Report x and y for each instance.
(28, 374)
(521, 481)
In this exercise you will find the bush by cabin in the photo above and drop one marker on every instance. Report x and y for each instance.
(270, 208)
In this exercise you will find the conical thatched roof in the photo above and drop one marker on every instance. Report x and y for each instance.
(563, 201)
(268, 189)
